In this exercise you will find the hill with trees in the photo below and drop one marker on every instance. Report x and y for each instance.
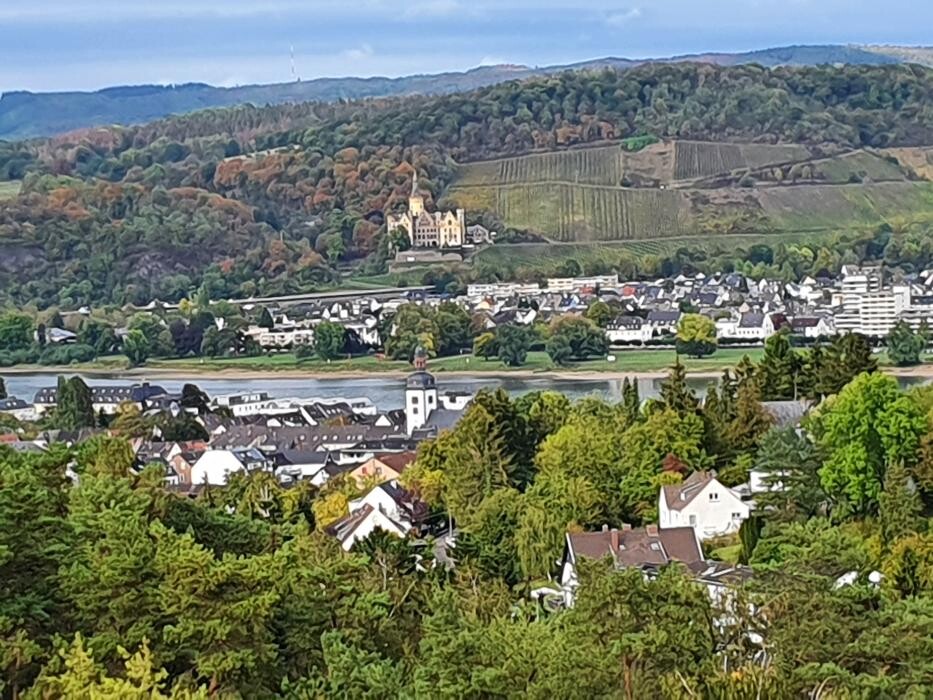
(249, 200)
(26, 114)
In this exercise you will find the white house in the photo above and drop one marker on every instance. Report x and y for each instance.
(703, 503)
(214, 466)
(385, 507)
(363, 522)
(628, 329)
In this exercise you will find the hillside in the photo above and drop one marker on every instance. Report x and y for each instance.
(247, 200)
(26, 114)
(681, 188)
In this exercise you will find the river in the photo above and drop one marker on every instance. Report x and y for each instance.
(385, 392)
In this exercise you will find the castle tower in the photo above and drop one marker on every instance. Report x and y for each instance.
(415, 200)
(420, 393)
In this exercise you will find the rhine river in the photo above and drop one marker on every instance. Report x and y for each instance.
(385, 392)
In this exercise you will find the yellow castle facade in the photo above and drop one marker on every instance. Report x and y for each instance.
(442, 229)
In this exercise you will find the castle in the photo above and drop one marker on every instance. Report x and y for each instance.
(442, 229)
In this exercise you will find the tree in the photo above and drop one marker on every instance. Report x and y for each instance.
(789, 466)
(675, 394)
(3, 393)
(512, 344)
(15, 331)
(265, 319)
(846, 357)
(779, 369)
(74, 406)
(600, 313)
(329, 340)
(869, 424)
(899, 505)
(578, 335)
(905, 346)
(193, 397)
(751, 420)
(696, 336)
(136, 348)
(129, 421)
(484, 345)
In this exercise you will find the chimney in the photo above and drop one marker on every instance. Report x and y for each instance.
(613, 541)
(626, 527)
(605, 527)
(651, 530)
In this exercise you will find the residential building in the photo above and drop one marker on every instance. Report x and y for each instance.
(647, 548)
(703, 503)
(106, 398)
(382, 467)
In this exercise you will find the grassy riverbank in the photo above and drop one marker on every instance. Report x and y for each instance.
(626, 362)
(641, 362)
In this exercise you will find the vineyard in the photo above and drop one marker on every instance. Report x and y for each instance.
(695, 159)
(858, 166)
(592, 166)
(568, 213)
(683, 188)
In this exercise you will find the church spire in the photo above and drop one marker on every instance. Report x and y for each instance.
(414, 184)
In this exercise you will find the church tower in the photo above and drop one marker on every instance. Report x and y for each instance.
(415, 201)
(420, 393)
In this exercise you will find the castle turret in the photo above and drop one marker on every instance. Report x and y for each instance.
(415, 200)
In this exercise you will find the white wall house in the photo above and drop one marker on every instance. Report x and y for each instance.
(703, 503)
(628, 329)
(214, 466)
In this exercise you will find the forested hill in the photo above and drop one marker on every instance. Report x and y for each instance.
(27, 114)
(265, 200)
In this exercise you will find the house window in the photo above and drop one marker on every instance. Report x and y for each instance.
(414, 411)
(714, 497)
(414, 400)
(693, 520)
(736, 516)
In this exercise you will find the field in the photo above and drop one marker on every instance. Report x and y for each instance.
(9, 189)
(695, 159)
(689, 188)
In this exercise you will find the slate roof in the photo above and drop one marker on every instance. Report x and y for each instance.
(639, 547)
(679, 496)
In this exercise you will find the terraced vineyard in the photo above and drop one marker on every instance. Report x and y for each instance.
(685, 188)
(594, 166)
(571, 213)
(695, 159)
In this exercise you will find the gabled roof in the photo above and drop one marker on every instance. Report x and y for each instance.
(640, 547)
(679, 496)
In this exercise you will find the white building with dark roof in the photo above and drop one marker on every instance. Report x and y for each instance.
(703, 503)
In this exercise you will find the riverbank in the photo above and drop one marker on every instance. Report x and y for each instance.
(641, 364)
(628, 363)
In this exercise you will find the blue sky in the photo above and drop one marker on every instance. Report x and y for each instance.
(89, 44)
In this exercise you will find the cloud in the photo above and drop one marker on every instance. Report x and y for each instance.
(620, 19)
(492, 61)
(360, 53)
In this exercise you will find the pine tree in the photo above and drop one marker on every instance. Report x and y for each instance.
(74, 405)
(899, 504)
(779, 369)
(676, 395)
(631, 401)
(751, 419)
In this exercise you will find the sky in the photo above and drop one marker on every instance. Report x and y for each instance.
(50, 45)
